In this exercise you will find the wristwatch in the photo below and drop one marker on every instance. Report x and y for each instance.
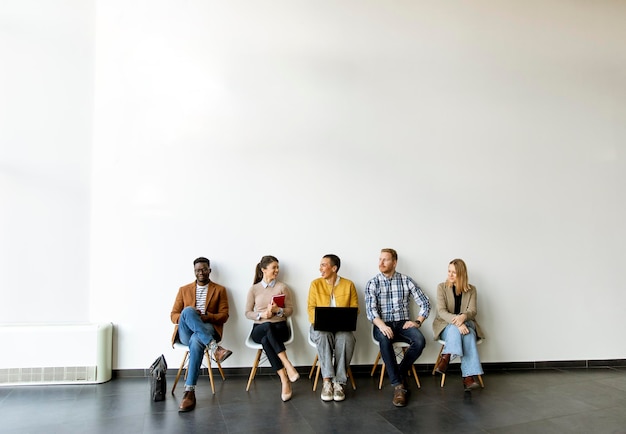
(258, 316)
(419, 323)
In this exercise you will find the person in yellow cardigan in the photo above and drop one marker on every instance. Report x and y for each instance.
(334, 349)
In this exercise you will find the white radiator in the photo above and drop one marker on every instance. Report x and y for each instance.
(55, 354)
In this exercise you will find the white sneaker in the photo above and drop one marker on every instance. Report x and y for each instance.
(327, 391)
(338, 394)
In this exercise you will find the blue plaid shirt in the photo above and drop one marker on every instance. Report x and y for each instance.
(388, 299)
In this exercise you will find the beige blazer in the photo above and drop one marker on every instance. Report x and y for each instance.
(216, 306)
(445, 309)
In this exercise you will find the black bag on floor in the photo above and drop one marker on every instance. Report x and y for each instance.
(157, 379)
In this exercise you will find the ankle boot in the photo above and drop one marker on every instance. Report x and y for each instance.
(442, 366)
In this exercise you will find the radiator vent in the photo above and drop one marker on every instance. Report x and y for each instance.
(58, 375)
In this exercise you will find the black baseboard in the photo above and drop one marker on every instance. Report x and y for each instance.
(365, 370)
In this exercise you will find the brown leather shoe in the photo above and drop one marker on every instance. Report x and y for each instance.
(221, 354)
(189, 401)
(399, 396)
(470, 384)
(442, 366)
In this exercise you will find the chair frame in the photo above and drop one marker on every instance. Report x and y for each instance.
(319, 367)
(443, 376)
(185, 365)
(257, 359)
(399, 348)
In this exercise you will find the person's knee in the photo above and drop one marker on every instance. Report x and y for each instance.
(380, 337)
(418, 340)
(195, 344)
(188, 311)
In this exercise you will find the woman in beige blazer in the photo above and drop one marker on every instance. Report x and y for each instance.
(456, 323)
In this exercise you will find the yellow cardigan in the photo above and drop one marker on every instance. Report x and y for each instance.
(319, 295)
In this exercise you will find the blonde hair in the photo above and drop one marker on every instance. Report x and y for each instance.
(462, 281)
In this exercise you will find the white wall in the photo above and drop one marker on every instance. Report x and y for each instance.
(46, 103)
(489, 131)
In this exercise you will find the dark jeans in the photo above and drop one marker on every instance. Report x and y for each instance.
(272, 336)
(413, 336)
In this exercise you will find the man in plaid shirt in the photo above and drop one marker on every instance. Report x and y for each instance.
(387, 307)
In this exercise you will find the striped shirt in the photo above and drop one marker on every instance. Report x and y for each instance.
(201, 298)
(388, 299)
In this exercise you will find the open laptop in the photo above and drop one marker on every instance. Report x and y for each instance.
(335, 319)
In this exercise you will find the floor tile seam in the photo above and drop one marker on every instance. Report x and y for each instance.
(500, 428)
(555, 419)
(602, 383)
(480, 424)
(221, 410)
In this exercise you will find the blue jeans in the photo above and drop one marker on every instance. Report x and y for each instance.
(412, 336)
(271, 335)
(338, 345)
(463, 346)
(196, 335)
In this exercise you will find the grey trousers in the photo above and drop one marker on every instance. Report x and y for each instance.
(334, 351)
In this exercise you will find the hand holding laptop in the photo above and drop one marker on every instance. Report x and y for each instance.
(334, 319)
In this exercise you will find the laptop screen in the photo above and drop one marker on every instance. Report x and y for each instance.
(335, 319)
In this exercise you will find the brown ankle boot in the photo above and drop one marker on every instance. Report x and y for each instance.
(189, 401)
(442, 366)
(470, 384)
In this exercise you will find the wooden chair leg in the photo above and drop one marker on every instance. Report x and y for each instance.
(417, 380)
(180, 370)
(317, 377)
(443, 376)
(351, 377)
(382, 376)
(438, 360)
(375, 365)
(210, 369)
(219, 368)
(254, 368)
(313, 367)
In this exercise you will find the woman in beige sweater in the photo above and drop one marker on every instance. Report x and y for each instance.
(270, 320)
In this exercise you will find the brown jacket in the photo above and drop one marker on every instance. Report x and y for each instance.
(445, 309)
(216, 306)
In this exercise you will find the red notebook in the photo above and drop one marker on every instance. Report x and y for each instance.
(279, 300)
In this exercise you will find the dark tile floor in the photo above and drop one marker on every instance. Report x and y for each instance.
(538, 401)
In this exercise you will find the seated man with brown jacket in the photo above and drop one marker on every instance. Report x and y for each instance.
(200, 311)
